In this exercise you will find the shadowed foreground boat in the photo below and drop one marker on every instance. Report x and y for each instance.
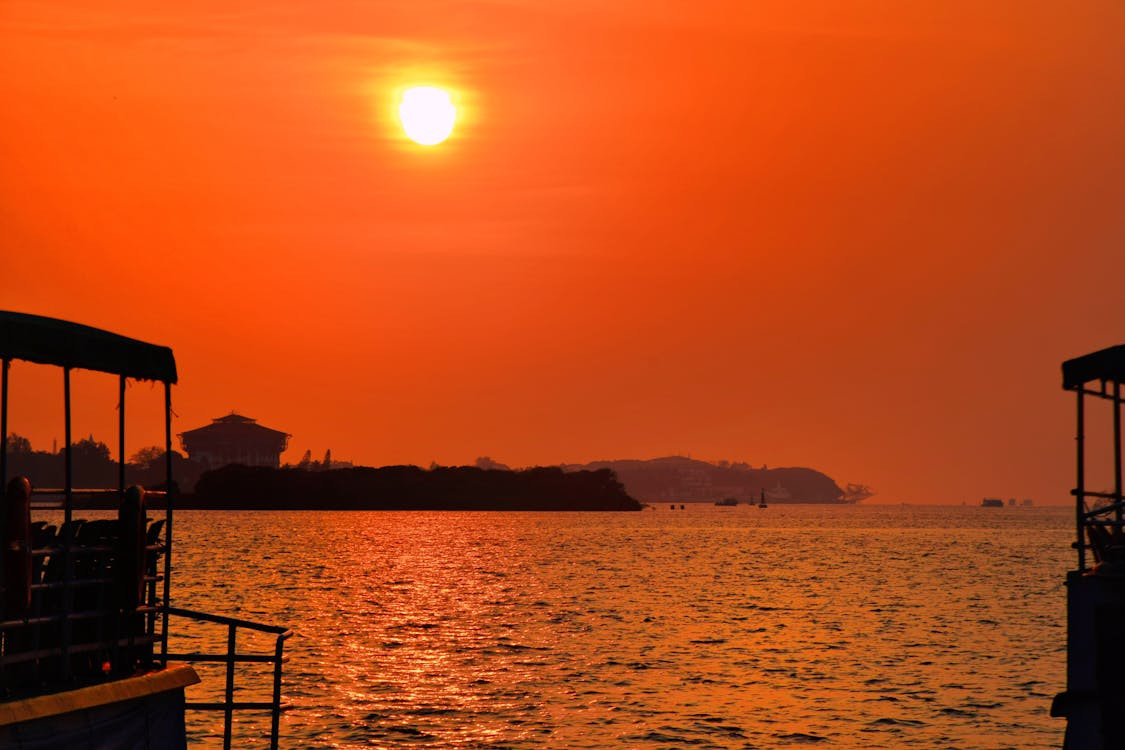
(84, 616)
(1095, 663)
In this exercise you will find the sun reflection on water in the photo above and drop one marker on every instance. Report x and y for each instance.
(709, 628)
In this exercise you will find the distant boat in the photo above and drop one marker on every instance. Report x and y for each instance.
(778, 494)
(762, 502)
(1027, 502)
(992, 502)
(727, 502)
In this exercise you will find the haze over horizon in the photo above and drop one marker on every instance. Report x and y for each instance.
(856, 238)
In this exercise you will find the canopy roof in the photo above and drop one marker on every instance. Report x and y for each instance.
(234, 426)
(49, 341)
(1107, 364)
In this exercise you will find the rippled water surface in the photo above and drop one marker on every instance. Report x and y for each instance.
(872, 627)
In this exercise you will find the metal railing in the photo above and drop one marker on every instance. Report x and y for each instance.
(232, 658)
(1099, 514)
(76, 628)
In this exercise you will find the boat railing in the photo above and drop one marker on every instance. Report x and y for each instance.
(77, 624)
(231, 659)
(54, 498)
(1099, 514)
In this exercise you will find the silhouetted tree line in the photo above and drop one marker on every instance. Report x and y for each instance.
(93, 465)
(409, 488)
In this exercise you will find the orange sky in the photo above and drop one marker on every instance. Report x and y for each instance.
(854, 236)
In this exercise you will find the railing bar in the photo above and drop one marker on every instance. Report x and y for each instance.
(76, 551)
(1101, 511)
(75, 649)
(1094, 493)
(238, 706)
(1096, 394)
(242, 658)
(220, 619)
(85, 614)
(88, 491)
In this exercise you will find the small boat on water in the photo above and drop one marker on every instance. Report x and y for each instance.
(762, 501)
(85, 614)
(992, 502)
(727, 502)
(778, 494)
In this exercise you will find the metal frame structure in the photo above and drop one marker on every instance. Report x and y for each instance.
(1099, 514)
(78, 628)
(231, 658)
(72, 580)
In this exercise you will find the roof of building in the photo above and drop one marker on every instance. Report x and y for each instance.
(1106, 364)
(49, 341)
(233, 418)
(236, 423)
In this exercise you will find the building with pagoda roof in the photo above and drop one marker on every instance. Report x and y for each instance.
(234, 439)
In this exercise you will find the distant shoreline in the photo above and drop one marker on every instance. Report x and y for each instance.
(408, 488)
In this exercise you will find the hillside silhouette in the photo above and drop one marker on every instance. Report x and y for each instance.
(682, 479)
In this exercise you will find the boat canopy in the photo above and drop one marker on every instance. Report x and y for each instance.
(49, 341)
(1106, 364)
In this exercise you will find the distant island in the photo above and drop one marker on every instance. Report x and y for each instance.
(488, 485)
(686, 480)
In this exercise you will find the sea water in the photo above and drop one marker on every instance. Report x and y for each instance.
(836, 626)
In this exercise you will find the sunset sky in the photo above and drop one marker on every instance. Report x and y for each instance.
(854, 236)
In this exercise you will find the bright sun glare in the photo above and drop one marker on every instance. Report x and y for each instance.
(427, 115)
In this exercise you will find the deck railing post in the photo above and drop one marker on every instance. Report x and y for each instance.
(121, 435)
(1117, 456)
(68, 530)
(4, 426)
(276, 711)
(1080, 482)
(68, 464)
(3, 451)
(169, 501)
(228, 713)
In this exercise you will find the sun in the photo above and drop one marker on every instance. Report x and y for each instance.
(427, 115)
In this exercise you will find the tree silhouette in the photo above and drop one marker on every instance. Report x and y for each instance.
(18, 444)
